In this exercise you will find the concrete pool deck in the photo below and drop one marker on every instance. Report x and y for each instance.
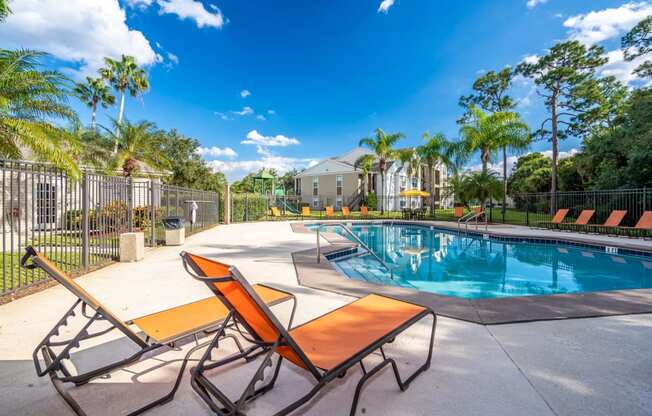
(598, 366)
(324, 276)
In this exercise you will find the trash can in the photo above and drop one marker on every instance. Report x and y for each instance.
(175, 232)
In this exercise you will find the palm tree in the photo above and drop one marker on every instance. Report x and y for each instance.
(125, 75)
(436, 150)
(365, 164)
(481, 133)
(481, 186)
(516, 137)
(30, 101)
(92, 92)
(381, 145)
(4, 10)
(139, 146)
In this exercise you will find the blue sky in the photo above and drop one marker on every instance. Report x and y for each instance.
(320, 75)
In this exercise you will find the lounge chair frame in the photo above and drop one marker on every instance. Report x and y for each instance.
(55, 363)
(221, 405)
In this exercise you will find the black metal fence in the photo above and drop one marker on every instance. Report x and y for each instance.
(77, 223)
(522, 209)
(530, 208)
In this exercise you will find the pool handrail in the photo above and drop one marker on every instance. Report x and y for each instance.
(366, 247)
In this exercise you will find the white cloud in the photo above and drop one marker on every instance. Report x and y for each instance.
(620, 68)
(193, 10)
(141, 4)
(245, 93)
(253, 137)
(81, 32)
(260, 117)
(385, 5)
(246, 110)
(237, 169)
(173, 58)
(597, 26)
(215, 151)
(271, 112)
(223, 116)
(531, 59)
(531, 4)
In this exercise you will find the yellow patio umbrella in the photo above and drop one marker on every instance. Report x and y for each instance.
(414, 193)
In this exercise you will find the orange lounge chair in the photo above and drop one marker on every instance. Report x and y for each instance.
(611, 224)
(642, 227)
(345, 211)
(325, 347)
(581, 221)
(364, 211)
(329, 211)
(305, 211)
(276, 213)
(556, 220)
(160, 330)
(459, 212)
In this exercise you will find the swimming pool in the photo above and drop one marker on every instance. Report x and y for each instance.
(477, 266)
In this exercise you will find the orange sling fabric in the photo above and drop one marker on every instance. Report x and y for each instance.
(585, 217)
(187, 319)
(615, 218)
(459, 211)
(305, 211)
(345, 211)
(559, 216)
(276, 212)
(364, 211)
(329, 211)
(337, 336)
(238, 298)
(645, 222)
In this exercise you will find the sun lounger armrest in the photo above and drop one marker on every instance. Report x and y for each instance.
(190, 269)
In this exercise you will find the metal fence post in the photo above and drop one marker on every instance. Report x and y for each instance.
(152, 207)
(130, 203)
(527, 210)
(85, 234)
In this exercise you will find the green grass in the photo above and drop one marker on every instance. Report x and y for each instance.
(15, 276)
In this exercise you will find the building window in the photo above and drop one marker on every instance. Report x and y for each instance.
(315, 203)
(315, 186)
(402, 203)
(415, 182)
(437, 177)
(403, 183)
(338, 202)
(338, 185)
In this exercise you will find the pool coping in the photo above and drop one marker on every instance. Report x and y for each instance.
(324, 276)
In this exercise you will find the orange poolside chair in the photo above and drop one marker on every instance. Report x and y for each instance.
(581, 221)
(325, 347)
(329, 211)
(611, 224)
(642, 227)
(160, 330)
(364, 211)
(459, 212)
(556, 220)
(345, 211)
(305, 211)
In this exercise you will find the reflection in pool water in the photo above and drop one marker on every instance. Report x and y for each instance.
(470, 267)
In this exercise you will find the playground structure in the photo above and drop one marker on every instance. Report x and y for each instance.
(268, 185)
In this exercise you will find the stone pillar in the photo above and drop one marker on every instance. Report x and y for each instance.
(227, 204)
(132, 247)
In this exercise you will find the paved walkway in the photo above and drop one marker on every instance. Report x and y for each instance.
(594, 367)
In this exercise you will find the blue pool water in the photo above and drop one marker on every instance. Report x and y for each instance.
(446, 263)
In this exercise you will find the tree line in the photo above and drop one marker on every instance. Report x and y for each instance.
(614, 123)
(37, 122)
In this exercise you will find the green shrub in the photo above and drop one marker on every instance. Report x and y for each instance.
(372, 201)
(248, 207)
